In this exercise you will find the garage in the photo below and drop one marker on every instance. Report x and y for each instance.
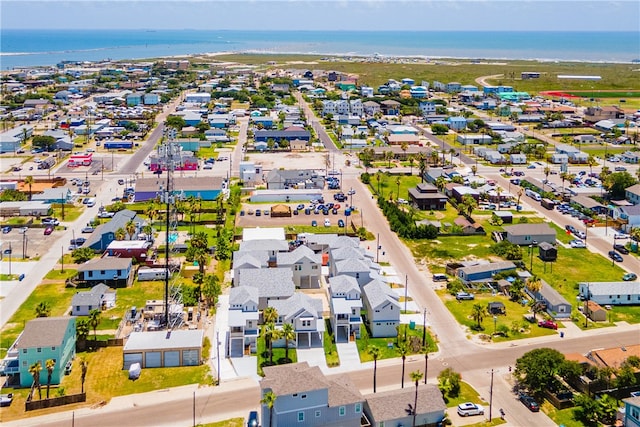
(156, 349)
(153, 359)
(131, 358)
(171, 358)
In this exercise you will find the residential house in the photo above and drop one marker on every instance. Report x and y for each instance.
(482, 271)
(630, 157)
(356, 108)
(528, 234)
(419, 92)
(243, 321)
(459, 191)
(346, 304)
(584, 139)
(494, 157)
(163, 349)
(399, 139)
(371, 107)
(453, 87)
(383, 309)
(589, 203)
(305, 396)
(469, 138)
(631, 411)
(555, 305)
(279, 179)
(42, 339)
(306, 266)
(53, 195)
(390, 408)
(518, 159)
(136, 249)
(426, 196)
(390, 107)
(304, 313)
(607, 112)
(113, 271)
(289, 134)
(360, 268)
(630, 216)
(272, 246)
(245, 260)
(105, 233)
(456, 123)
(272, 283)
(100, 297)
(468, 227)
(427, 108)
(559, 158)
(632, 194)
(611, 293)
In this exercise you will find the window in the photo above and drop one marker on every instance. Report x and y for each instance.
(102, 272)
(635, 413)
(24, 351)
(314, 267)
(304, 396)
(297, 267)
(342, 411)
(53, 349)
(300, 417)
(306, 323)
(358, 408)
(39, 350)
(77, 307)
(91, 274)
(24, 363)
(317, 414)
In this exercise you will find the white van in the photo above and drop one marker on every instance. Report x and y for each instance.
(91, 203)
(535, 196)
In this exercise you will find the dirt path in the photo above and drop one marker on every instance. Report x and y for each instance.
(482, 80)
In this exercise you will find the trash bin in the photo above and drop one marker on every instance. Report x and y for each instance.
(412, 325)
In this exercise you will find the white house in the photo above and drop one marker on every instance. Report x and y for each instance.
(305, 264)
(100, 297)
(383, 309)
(346, 304)
(243, 320)
(305, 314)
(611, 293)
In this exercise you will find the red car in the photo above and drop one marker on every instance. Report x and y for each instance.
(48, 231)
(549, 324)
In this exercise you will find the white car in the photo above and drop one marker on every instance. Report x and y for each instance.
(577, 244)
(468, 408)
(327, 222)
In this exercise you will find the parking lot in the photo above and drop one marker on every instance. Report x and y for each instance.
(34, 239)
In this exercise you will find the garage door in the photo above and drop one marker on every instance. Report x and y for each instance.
(131, 358)
(171, 358)
(190, 358)
(153, 359)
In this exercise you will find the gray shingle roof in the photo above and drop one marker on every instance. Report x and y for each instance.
(351, 266)
(91, 297)
(44, 332)
(243, 294)
(296, 305)
(300, 378)
(264, 245)
(347, 252)
(500, 265)
(378, 292)
(271, 282)
(290, 258)
(342, 241)
(530, 229)
(255, 258)
(392, 404)
(551, 295)
(343, 284)
(119, 220)
(106, 263)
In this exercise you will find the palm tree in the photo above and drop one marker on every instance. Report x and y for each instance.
(50, 364)
(534, 284)
(28, 180)
(269, 399)
(375, 353)
(82, 332)
(520, 193)
(120, 233)
(83, 372)
(563, 177)
(412, 161)
(474, 170)
(94, 321)
(34, 370)
(422, 165)
(288, 333)
(398, 184)
(547, 171)
(43, 309)
(404, 146)
(499, 191)
(388, 156)
(201, 258)
(130, 227)
(478, 313)
(591, 161)
(151, 211)
(416, 376)
(403, 350)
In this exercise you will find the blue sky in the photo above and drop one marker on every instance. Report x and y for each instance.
(525, 15)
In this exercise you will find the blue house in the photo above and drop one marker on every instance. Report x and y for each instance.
(266, 122)
(105, 233)
(203, 188)
(408, 81)
(418, 92)
(482, 272)
(134, 99)
(113, 271)
(45, 338)
(151, 99)
(457, 123)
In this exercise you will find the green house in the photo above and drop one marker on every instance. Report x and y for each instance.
(46, 338)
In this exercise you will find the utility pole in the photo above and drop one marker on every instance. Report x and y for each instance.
(218, 351)
(406, 289)
(491, 396)
(424, 333)
(377, 248)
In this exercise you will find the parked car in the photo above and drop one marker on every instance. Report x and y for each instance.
(300, 207)
(581, 234)
(570, 228)
(253, 419)
(630, 277)
(78, 241)
(88, 229)
(468, 409)
(549, 324)
(530, 403)
(314, 223)
(50, 221)
(23, 230)
(440, 277)
(327, 222)
(48, 230)
(577, 244)
(621, 248)
(340, 223)
(258, 212)
(6, 229)
(465, 296)
(105, 214)
(615, 256)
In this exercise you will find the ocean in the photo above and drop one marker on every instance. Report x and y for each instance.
(47, 47)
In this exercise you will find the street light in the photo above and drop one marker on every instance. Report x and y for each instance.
(495, 322)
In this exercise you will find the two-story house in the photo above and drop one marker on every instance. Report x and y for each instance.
(305, 314)
(426, 196)
(243, 320)
(383, 309)
(45, 338)
(113, 271)
(346, 304)
(272, 284)
(305, 264)
(306, 397)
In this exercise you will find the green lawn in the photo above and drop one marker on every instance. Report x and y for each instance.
(71, 212)
(388, 347)
(560, 416)
(233, 422)
(467, 394)
(278, 355)
(513, 319)
(389, 184)
(56, 274)
(600, 151)
(330, 348)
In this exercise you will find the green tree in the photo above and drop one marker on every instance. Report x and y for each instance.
(120, 233)
(478, 313)
(449, 383)
(130, 228)
(439, 129)
(82, 255)
(175, 122)
(43, 309)
(537, 368)
(82, 332)
(94, 322)
(269, 399)
(50, 364)
(617, 183)
(586, 410)
(374, 352)
(44, 141)
(28, 180)
(34, 370)
(289, 334)
(416, 376)
(211, 289)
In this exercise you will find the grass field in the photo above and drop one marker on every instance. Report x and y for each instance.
(232, 422)
(388, 347)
